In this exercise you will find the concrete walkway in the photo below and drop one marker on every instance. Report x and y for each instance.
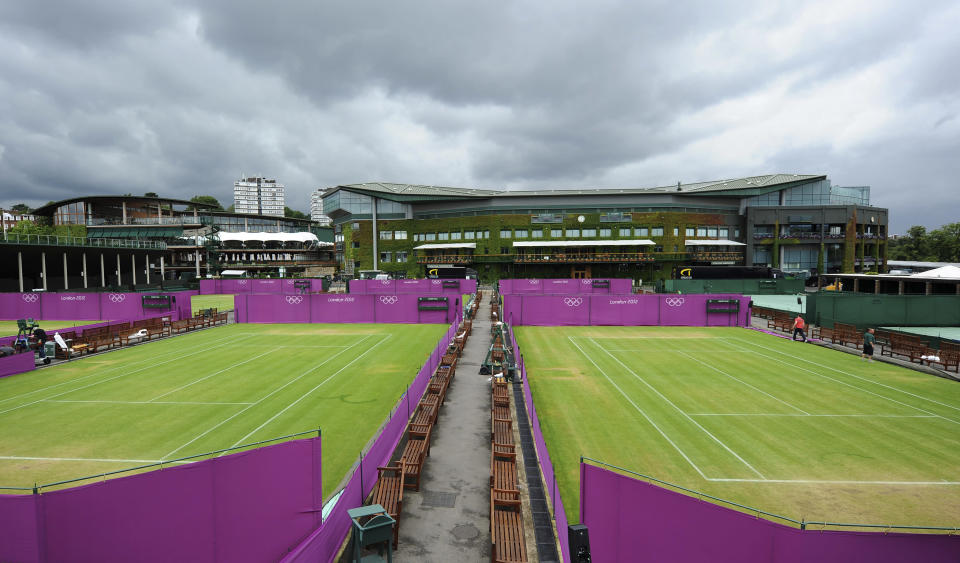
(448, 519)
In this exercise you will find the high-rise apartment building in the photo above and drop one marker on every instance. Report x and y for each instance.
(316, 207)
(258, 195)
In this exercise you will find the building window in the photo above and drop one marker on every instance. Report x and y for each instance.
(356, 244)
(356, 226)
(417, 236)
(468, 235)
(701, 231)
(712, 232)
(625, 232)
(676, 248)
(402, 256)
(486, 235)
(736, 233)
(723, 233)
(431, 236)
(504, 250)
(386, 256)
(573, 233)
(690, 232)
(556, 233)
(505, 233)
(658, 249)
(443, 236)
(520, 233)
(537, 234)
(589, 233)
(456, 236)
(676, 231)
(656, 232)
(400, 235)
(606, 233)
(642, 232)
(386, 235)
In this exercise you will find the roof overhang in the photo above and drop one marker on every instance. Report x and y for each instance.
(711, 242)
(566, 243)
(445, 245)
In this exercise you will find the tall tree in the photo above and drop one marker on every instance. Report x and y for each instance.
(945, 243)
(294, 214)
(209, 199)
(21, 208)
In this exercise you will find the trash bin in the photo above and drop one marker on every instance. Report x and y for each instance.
(371, 526)
(50, 348)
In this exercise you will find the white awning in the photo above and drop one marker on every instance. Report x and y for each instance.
(446, 245)
(546, 243)
(233, 273)
(710, 242)
(947, 272)
(265, 237)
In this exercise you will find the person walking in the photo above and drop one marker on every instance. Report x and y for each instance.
(868, 340)
(799, 327)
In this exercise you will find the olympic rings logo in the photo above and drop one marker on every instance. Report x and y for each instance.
(585, 281)
(294, 299)
(435, 282)
(116, 297)
(389, 299)
(30, 297)
(384, 282)
(241, 282)
(674, 301)
(573, 301)
(533, 282)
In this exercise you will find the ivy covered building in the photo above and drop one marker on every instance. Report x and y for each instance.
(798, 223)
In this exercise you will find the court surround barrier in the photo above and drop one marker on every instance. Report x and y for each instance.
(256, 285)
(632, 519)
(611, 286)
(864, 310)
(248, 506)
(53, 306)
(325, 541)
(420, 287)
(339, 308)
(622, 310)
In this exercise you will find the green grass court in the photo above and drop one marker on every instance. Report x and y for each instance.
(221, 301)
(206, 391)
(789, 428)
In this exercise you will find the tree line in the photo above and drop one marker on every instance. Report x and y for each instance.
(24, 209)
(938, 245)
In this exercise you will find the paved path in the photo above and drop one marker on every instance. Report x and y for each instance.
(448, 519)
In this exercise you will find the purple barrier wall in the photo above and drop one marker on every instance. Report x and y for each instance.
(249, 506)
(618, 286)
(337, 308)
(323, 543)
(619, 310)
(632, 520)
(17, 363)
(421, 287)
(80, 306)
(251, 285)
(546, 465)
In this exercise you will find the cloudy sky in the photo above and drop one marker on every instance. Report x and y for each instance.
(181, 97)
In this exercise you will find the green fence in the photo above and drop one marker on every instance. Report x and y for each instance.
(779, 286)
(865, 311)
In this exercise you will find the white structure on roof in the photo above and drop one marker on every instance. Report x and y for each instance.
(442, 246)
(258, 195)
(273, 237)
(316, 208)
(711, 242)
(944, 272)
(546, 243)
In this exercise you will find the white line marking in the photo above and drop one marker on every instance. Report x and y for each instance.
(245, 409)
(644, 414)
(304, 396)
(218, 372)
(831, 482)
(816, 415)
(299, 346)
(129, 373)
(18, 458)
(146, 402)
(720, 371)
(697, 424)
(649, 350)
(843, 382)
(150, 360)
(850, 374)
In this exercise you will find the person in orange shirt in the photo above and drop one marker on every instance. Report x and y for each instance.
(799, 327)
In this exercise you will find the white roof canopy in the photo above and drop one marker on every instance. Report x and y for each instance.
(950, 272)
(711, 242)
(545, 243)
(233, 273)
(446, 245)
(264, 237)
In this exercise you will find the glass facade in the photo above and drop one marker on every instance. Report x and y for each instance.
(814, 193)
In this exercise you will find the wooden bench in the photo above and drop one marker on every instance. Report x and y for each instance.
(780, 321)
(501, 393)
(389, 493)
(414, 452)
(501, 411)
(425, 415)
(501, 430)
(908, 346)
(508, 543)
(438, 386)
(503, 468)
(949, 354)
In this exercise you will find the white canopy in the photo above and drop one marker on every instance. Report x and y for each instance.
(710, 242)
(545, 243)
(951, 272)
(264, 237)
(233, 273)
(446, 245)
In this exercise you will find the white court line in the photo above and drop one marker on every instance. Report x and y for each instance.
(287, 346)
(697, 424)
(720, 371)
(304, 396)
(847, 373)
(145, 402)
(815, 415)
(649, 350)
(285, 385)
(629, 400)
(150, 360)
(24, 458)
(834, 482)
(844, 382)
(218, 372)
(129, 373)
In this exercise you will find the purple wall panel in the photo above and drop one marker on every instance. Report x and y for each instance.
(623, 310)
(80, 306)
(618, 286)
(420, 287)
(339, 308)
(629, 518)
(240, 308)
(17, 363)
(70, 306)
(18, 528)
(629, 310)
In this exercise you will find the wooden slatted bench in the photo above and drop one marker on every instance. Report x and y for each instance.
(503, 468)
(389, 494)
(501, 393)
(438, 386)
(501, 411)
(425, 415)
(908, 346)
(501, 430)
(508, 543)
(414, 452)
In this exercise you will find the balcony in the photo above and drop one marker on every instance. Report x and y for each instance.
(718, 257)
(173, 221)
(568, 257)
(52, 240)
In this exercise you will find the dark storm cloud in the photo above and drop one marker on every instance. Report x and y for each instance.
(181, 98)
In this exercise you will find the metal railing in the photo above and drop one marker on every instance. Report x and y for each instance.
(565, 257)
(55, 240)
(119, 222)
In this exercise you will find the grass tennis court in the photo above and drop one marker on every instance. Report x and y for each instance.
(9, 328)
(221, 301)
(206, 391)
(786, 427)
